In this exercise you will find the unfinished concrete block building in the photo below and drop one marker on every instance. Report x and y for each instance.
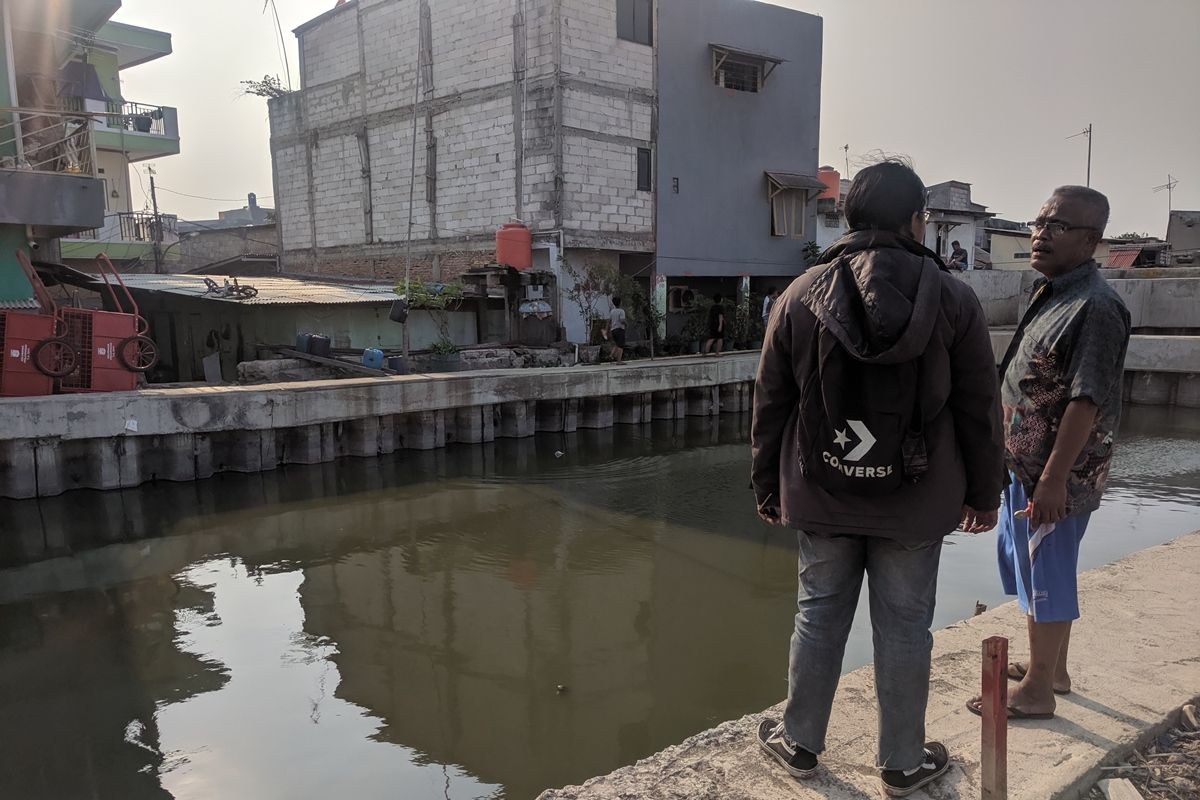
(677, 138)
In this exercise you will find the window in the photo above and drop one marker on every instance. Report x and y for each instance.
(741, 76)
(645, 174)
(789, 207)
(635, 21)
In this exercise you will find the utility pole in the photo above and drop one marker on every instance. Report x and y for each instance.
(156, 232)
(846, 150)
(1088, 133)
(1089, 169)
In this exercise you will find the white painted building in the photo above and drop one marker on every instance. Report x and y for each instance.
(953, 217)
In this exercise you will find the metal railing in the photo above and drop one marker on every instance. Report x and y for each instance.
(46, 140)
(136, 117)
(132, 226)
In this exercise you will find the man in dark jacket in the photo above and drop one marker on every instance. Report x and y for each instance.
(887, 301)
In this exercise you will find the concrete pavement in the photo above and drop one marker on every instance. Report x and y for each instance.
(1135, 660)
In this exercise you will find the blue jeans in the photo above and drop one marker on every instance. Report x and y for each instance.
(902, 583)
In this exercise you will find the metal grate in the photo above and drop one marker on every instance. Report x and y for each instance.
(79, 334)
(739, 76)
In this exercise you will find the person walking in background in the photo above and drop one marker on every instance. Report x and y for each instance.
(716, 326)
(876, 433)
(1061, 390)
(615, 330)
(768, 302)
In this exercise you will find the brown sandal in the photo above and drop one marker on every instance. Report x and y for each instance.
(975, 706)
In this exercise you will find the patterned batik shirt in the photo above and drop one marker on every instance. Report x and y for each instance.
(1071, 344)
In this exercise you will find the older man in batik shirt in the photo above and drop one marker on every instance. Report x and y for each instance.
(1061, 390)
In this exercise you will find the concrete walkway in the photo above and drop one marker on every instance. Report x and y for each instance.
(1135, 659)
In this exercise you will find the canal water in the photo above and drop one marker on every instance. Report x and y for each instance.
(476, 622)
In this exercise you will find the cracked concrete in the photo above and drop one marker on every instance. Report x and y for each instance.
(1135, 660)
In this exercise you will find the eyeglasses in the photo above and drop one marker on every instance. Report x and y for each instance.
(1057, 228)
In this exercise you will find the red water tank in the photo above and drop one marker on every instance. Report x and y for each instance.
(833, 184)
(514, 246)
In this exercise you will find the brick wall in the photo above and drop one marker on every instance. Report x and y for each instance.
(601, 194)
(329, 50)
(391, 34)
(207, 247)
(592, 50)
(348, 92)
(472, 44)
(291, 201)
(338, 209)
(387, 264)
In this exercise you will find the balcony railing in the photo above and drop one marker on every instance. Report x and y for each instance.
(46, 140)
(133, 226)
(134, 118)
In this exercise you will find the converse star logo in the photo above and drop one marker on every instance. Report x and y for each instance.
(866, 440)
(842, 439)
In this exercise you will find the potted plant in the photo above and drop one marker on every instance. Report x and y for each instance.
(695, 331)
(592, 285)
(439, 299)
(811, 252)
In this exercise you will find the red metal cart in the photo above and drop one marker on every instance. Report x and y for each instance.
(35, 350)
(113, 347)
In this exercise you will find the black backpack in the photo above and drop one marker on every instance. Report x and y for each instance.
(861, 428)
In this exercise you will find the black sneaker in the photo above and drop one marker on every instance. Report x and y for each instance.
(795, 759)
(901, 783)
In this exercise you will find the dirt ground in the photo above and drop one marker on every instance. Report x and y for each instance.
(1169, 767)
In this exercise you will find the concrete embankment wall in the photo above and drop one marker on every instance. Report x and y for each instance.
(1162, 299)
(50, 445)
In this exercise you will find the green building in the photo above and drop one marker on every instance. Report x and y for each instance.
(67, 136)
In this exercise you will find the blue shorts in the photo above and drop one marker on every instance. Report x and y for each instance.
(1039, 569)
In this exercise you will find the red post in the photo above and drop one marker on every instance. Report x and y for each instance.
(994, 744)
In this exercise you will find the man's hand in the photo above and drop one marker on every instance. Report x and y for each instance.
(770, 516)
(977, 521)
(1049, 504)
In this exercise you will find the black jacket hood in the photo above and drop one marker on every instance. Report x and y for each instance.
(879, 293)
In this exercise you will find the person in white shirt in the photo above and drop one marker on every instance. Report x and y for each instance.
(616, 330)
(768, 302)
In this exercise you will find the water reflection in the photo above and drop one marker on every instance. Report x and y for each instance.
(399, 627)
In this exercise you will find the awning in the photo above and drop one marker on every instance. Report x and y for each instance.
(1123, 258)
(723, 52)
(781, 181)
(80, 80)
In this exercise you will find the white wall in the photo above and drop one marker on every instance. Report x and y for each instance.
(963, 234)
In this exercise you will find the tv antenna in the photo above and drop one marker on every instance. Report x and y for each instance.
(1169, 188)
(1088, 133)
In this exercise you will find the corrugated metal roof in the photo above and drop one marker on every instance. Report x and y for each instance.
(271, 290)
(1122, 258)
(19, 305)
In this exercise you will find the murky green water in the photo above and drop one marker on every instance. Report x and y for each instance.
(397, 628)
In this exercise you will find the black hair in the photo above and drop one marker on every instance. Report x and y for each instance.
(1090, 197)
(717, 298)
(884, 197)
(956, 243)
(616, 302)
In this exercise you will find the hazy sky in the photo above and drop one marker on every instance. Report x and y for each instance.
(984, 92)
